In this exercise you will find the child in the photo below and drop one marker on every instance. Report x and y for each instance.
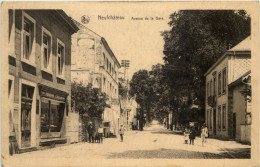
(192, 135)
(186, 136)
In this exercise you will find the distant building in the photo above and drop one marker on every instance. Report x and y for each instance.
(39, 89)
(225, 107)
(95, 63)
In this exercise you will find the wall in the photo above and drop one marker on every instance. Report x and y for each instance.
(220, 100)
(239, 108)
(58, 30)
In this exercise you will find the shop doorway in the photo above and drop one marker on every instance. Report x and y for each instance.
(26, 108)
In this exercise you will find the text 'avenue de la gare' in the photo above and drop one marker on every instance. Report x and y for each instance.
(116, 17)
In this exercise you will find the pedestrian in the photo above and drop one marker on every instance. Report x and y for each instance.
(100, 134)
(192, 135)
(121, 132)
(90, 133)
(203, 134)
(186, 136)
(206, 133)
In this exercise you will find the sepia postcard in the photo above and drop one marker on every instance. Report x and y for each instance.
(166, 84)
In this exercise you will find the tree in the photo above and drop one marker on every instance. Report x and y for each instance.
(140, 86)
(197, 39)
(88, 100)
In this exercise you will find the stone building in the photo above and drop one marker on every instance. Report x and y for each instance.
(223, 117)
(94, 62)
(39, 87)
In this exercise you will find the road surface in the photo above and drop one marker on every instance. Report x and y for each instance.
(155, 142)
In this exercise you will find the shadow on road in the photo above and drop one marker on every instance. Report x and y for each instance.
(181, 154)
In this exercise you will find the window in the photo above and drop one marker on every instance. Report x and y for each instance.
(214, 85)
(211, 88)
(52, 114)
(219, 117)
(107, 64)
(223, 116)
(224, 81)
(208, 93)
(46, 50)
(60, 58)
(210, 115)
(219, 83)
(28, 38)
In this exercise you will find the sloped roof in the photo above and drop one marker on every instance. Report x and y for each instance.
(245, 45)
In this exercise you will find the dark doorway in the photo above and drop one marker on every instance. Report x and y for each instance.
(234, 126)
(214, 122)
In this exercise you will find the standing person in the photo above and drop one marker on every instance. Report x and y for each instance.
(186, 136)
(100, 134)
(203, 134)
(192, 135)
(206, 133)
(90, 133)
(121, 132)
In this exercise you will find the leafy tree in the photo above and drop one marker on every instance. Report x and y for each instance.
(140, 86)
(197, 39)
(88, 100)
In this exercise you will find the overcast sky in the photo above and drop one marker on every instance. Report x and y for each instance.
(136, 40)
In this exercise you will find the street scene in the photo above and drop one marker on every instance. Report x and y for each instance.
(154, 142)
(122, 82)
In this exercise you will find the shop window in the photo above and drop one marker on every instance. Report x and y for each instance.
(46, 50)
(224, 117)
(60, 58)
(52, 114)
(219, 117)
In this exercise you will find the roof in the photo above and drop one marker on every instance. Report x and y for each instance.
(239, 79)
(109, 50)
(245, 45)
(68, 20)
(242, 48)
(81, 26)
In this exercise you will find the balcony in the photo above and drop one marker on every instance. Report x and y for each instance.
(212, 101)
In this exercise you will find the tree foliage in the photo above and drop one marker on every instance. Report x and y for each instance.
(88, 100)
(196, 40)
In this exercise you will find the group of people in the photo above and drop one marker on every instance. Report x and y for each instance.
(190, 134)
(95, 136)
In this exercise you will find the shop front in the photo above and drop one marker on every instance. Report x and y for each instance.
(54, 107)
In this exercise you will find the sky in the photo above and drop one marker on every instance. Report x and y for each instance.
(136, 40)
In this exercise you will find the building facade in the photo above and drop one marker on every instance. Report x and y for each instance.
(39, 84)
(220, 117)
(95, 63)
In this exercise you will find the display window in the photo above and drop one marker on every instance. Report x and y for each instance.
(52, 113)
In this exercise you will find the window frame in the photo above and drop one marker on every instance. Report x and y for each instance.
(32, 56)
(49, 66)
(224, 85)
(219, 117)
(219, 84)
(223, 117)
(62, 75)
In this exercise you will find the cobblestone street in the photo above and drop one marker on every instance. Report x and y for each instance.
(154, 142)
